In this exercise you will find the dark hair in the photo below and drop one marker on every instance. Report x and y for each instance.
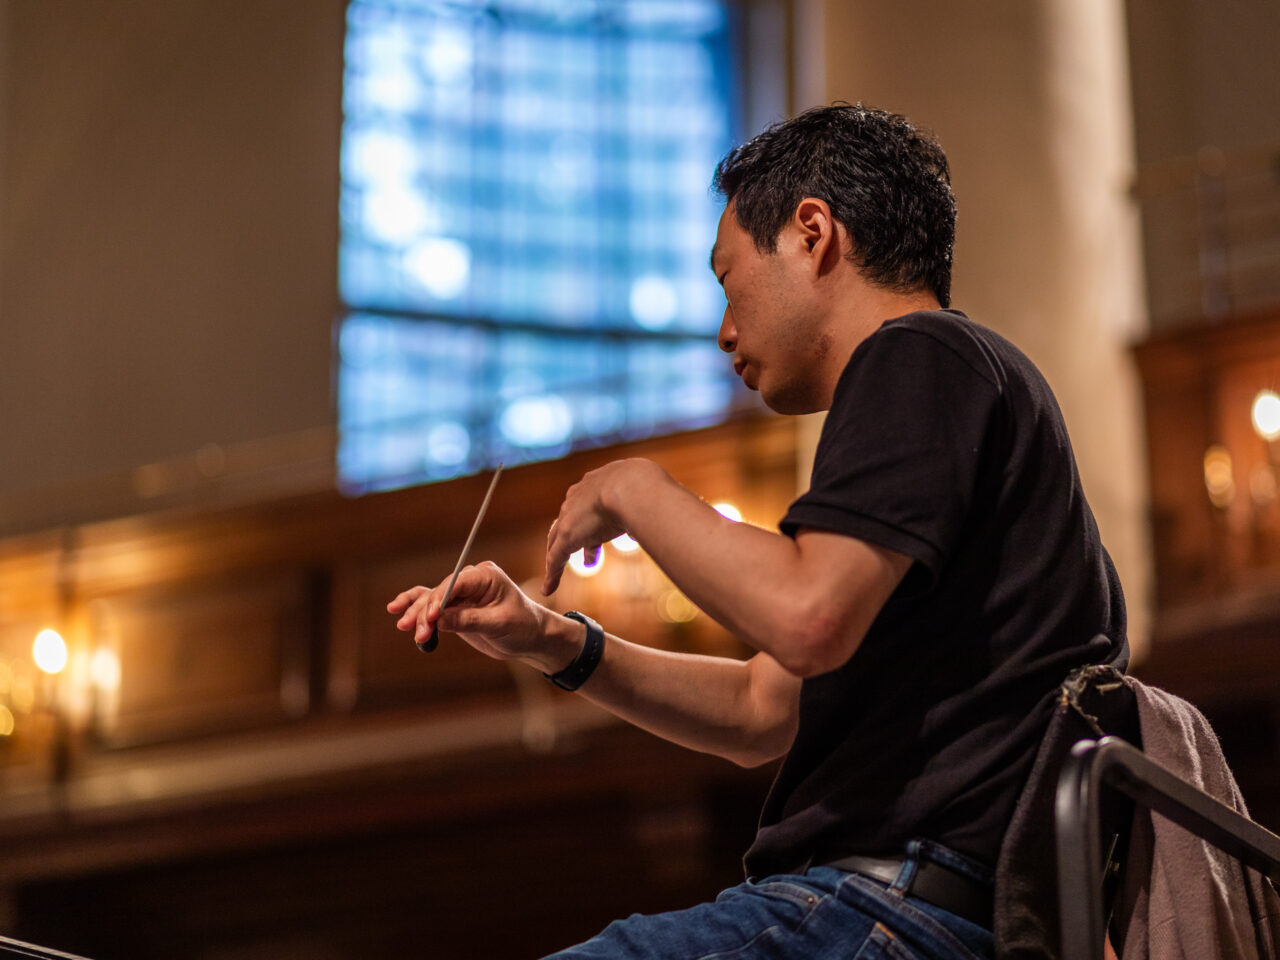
(886, 181)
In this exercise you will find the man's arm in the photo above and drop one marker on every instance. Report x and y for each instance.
(806, 602)
(745, 711)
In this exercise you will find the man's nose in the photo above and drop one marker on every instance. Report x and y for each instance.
(728, 336)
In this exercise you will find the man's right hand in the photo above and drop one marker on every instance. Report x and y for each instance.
(487, 610)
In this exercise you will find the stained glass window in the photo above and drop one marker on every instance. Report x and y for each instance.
(525, 220)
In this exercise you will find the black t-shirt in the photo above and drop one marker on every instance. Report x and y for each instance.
(943, 443)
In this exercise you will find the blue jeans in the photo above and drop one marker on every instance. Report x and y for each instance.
(823, 914)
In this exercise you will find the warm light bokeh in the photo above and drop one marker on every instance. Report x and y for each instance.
(625, 544)
(50, 651)
(1266, 414)
(578, 564)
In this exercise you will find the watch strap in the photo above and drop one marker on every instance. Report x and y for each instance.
(575, 674)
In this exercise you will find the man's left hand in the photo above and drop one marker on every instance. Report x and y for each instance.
(589, 516)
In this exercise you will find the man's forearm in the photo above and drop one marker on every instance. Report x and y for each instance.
(808, 612)
(744, 711)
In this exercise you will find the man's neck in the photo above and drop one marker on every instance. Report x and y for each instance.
(859, 312)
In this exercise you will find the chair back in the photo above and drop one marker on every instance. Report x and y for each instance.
(1092, 702)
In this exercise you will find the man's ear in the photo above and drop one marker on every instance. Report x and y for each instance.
(821, 235)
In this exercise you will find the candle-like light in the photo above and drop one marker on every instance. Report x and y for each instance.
(1219, 477)
(578, 563)
(50, 651)
(1266, 414)
(625, 544)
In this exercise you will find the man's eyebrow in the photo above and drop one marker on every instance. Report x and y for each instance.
(711, 261)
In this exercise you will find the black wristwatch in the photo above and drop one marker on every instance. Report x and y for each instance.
(575, 674)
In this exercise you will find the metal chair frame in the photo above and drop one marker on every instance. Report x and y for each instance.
(17, 948)
(1111, 762)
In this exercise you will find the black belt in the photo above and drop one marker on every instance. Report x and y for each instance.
(941, 886)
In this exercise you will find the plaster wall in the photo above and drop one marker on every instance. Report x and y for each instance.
(1031, 102)
(168, 229)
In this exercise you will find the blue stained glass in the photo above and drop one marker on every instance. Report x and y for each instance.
(525, 218)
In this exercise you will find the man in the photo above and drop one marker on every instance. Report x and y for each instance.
(920, 606)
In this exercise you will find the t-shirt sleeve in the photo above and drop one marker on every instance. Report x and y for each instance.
(900, 451)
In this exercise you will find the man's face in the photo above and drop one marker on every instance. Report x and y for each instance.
(766, 325)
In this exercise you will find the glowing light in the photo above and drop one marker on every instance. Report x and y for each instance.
(654, 302)
(675, 607)
(441, 264)
(1219, 479)
(448, 443)
(448, 56)
(393, 88)
(1266, 414)
(378, 155)
(578, 564)
(537, 421)
(625, 544)
(104, 669)
(396, 214)
(6, 721)
(728, 510)
(50, 651)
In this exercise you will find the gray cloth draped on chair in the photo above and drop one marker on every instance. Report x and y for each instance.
(1221, 910)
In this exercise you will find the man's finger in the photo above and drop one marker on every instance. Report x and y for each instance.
(471, 583)
(428, 614)
(551, 580)
(404, 599)
(431, 607)
(557, 557)
(421, 596)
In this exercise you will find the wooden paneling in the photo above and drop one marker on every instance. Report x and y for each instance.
(1199, 386)
(237, 630)
(273, 739)
(206, 657)
(1217, 627)
(376, 664)
(33, 578)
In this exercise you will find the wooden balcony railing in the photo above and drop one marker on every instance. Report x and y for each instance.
(224, 656)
